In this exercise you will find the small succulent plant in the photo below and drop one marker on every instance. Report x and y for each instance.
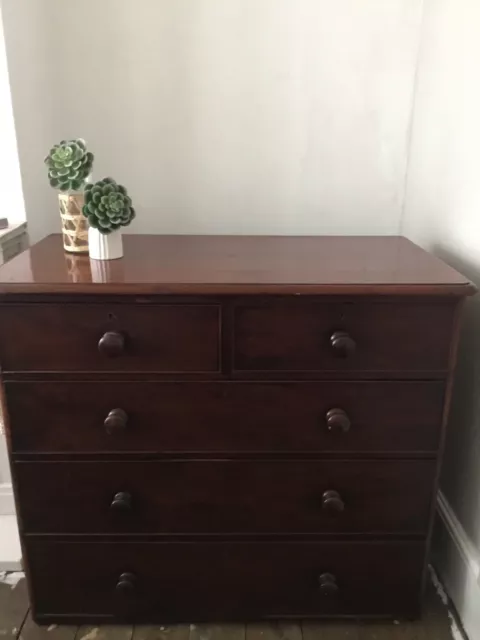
(107, 205)
(69, 165)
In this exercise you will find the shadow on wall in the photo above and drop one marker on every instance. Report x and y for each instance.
(460, 480)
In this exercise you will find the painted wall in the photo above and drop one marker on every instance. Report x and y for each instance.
(31, 56)
(11, 195)
(442, 212)
(246, 116)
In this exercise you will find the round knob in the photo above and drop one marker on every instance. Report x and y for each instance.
(111, 344)
(116, 420)
(328, 584)
(337, 420)
(342, 344)
(126, 584)
(332, 502)
(122, 501)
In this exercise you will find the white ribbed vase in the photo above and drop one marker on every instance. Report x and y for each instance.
(105, 246)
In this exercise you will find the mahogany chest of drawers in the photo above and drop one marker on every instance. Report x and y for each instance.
(217, 428)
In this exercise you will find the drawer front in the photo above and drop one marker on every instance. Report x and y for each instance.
(225, 496)
(224, 416)
(343, 337)
(185, 581)
(122, 337)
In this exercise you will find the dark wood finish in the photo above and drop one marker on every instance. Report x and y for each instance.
(173, 338)
(227, 428)
(112, 344)
(332, 501)
(126, 585)
(116, 421)
(301, 336)
(225, 496)
(238, 265)
(122, 501)
(328, 586)
(222, 580)
(68, 417)
(342, 344)
(337, 420)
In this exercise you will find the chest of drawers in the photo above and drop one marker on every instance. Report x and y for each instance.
(227, 428)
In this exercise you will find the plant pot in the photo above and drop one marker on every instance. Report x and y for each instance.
(105, 246)
(74, 223)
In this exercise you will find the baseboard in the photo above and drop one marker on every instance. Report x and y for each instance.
(7, 504)
(10, 551)
(458, 564)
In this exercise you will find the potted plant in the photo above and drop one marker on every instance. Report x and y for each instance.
(108, 208)
(69, 166)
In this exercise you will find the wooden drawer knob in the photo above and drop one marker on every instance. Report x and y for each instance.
(111, 344)
(126, 584)
(342, 344)
(328, 585)
(332, 502)
(122, 501)
(337, 420)
(116, 421)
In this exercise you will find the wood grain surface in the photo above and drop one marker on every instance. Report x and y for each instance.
(222, 581)
(217, 429)
(237, 265)
(235, 417)
(230, 497)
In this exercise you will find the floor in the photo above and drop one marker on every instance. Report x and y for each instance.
(16, 623)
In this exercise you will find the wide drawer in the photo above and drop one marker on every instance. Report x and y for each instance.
(369, 336)
(161, 417)
(225, 496)
(187, 581)
(109, 337)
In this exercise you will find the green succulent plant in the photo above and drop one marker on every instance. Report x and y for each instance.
(69, 164)
(107, 205)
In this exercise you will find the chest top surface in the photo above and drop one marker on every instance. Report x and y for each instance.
(225, 265)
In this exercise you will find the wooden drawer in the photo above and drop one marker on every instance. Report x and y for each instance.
(225, 416)
(188, 581)
(225, 496)
(109, 337)
(369, 336)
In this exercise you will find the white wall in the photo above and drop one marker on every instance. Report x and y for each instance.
(442, 212)
(32, 66)
(11, 195)
(238, 116)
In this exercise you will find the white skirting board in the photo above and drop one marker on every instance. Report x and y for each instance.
(10, 552)
(7, 504)
(458, 564)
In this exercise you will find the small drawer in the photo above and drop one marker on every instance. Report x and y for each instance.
(224, 417)
(231, 497)
(350, 337)
(116, 337)
(185, 581)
